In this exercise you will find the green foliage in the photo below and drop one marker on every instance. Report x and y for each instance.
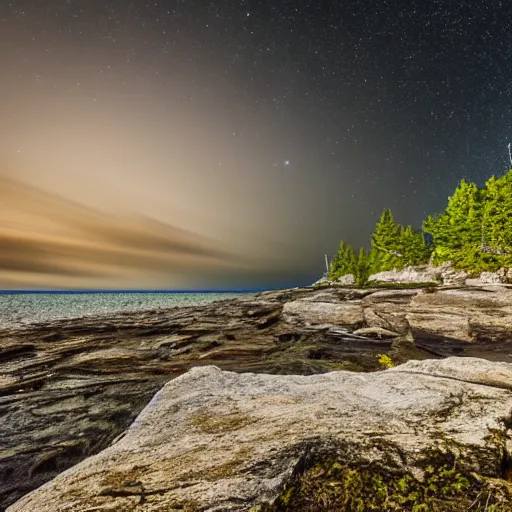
(457, 232)
(413, 248)
(344, 262)
(392, 246)
(386, 242)
(475, 231)
(362, 268)
(385, 361)
(330, 486)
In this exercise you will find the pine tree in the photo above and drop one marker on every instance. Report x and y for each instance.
(337, 262)
(413, 248)
(362, 268)
(457, 233)
(386, 241)
(351, 259)
(344, 262)
(474, 233)
(497, 215)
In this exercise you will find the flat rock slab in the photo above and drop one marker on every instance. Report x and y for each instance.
(468, 314)
(213, 440)
(348, 314)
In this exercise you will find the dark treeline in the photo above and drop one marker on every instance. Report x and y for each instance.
(474, 233)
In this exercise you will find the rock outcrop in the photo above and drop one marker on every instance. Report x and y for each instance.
(220, 441)
(501, 276)
(423, 274)
(346, 280)
(68, 388)
(478, 314)
(452, 277)
(347, 314)
(444, 274)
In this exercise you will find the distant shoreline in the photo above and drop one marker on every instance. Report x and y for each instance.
(68, 292)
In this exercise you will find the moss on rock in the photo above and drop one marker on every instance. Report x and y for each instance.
(330, 486)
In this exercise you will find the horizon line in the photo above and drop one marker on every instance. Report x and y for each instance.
(137, 290)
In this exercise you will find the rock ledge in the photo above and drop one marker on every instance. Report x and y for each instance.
(213, 440)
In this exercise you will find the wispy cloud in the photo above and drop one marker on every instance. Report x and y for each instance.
(44, 237)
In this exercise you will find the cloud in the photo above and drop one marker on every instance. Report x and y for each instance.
(45, 238)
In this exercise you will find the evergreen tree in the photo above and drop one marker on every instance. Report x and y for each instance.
(343, 262)
(413, 248)
(474, 233)
(386, 242)
(351, 259)
(375, 261)
(362, 268)
(337, 262)
(497, 214)
(457, 232)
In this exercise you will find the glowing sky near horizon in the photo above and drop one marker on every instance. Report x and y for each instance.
(260, 133)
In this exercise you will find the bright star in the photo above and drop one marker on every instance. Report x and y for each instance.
(287, 162)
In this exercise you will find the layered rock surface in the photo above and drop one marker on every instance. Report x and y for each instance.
(69, 388)
(218, 441)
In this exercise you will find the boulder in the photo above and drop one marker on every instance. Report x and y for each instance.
(308, 312)
(421, 274)
(448, 275)
(221, 441)
(451, 277)
(492, 277)
(347, 280)
(501, 276)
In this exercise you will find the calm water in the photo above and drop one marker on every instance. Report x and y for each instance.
(26, 308)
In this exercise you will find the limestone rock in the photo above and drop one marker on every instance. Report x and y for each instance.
(69, 387)
(403, 349)
(501, 276)
(421, 274)
(347, 280)
(321, 281)
(492, 277)
(348, 314)
(221, 441)
(463, 314)
(452, 277)
(387, 309)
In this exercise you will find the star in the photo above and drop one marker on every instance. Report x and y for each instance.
(287, 162)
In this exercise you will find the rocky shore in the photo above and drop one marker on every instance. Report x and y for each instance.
(246, 425)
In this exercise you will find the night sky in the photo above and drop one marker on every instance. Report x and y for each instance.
(243, 139)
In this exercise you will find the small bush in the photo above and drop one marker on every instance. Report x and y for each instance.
(385, 361)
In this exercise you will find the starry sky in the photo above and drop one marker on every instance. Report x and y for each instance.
(230, 144)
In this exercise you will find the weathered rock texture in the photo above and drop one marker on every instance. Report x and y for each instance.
(346, 280)
(423, 274)
(444, 274)
(218, 441)
(69, 388)
(480, 314)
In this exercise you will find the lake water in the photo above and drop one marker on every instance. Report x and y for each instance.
(26, 308)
